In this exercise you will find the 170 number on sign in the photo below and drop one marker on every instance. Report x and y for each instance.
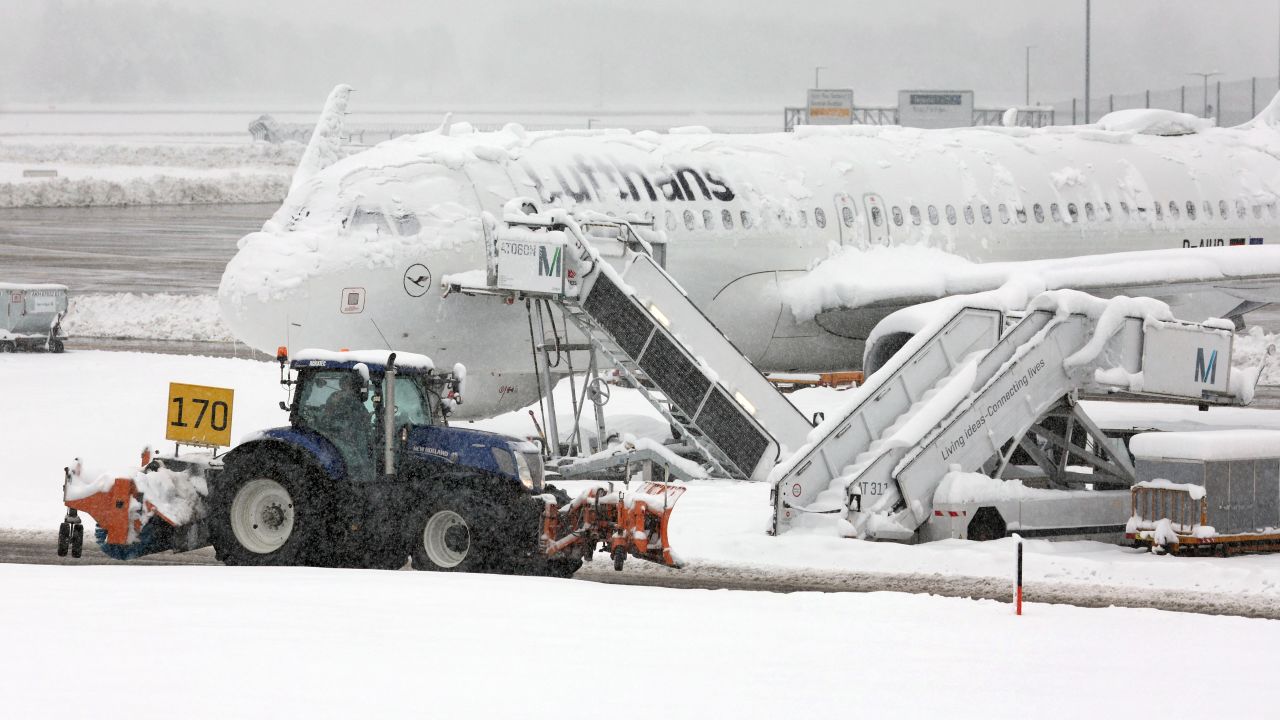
(199, 415)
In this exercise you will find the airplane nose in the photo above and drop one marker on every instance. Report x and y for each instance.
(262, 286)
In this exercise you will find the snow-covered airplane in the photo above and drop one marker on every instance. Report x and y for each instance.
(890, 216)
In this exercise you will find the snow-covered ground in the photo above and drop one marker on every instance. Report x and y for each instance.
(308, 643)
(104, 407)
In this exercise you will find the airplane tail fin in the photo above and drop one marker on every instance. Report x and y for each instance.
(326, 141)
(1269, 117)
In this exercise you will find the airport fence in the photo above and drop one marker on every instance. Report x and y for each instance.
(1232, 102)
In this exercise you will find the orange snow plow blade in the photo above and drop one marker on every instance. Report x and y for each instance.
(622, 522)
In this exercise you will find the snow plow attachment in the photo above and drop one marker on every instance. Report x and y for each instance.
(129, 524)
(622, 522)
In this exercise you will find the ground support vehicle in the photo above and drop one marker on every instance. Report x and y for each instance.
(32, 316)
(368, 473)
(978, 391)
(1206, 493)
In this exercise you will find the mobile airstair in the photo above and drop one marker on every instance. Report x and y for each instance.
(980, 391)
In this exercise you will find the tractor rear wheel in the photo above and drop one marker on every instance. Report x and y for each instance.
(7, 346)
(265, 513)
(459, 531)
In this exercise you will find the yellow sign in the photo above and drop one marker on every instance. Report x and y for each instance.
(199, 415)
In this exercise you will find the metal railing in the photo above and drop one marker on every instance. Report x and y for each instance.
(1231, 102)
(1184, 512)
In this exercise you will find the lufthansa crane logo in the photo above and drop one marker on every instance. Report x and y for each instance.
(417, 280)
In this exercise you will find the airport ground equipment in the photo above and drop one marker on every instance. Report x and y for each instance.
(983, 391)
(1209, 492)
(368, 473)
(32, 317)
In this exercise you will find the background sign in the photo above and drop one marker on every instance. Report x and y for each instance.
(199, 415)
(830, 107)
(935, 108)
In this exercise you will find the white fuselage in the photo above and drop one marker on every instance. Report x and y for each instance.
(355, 255)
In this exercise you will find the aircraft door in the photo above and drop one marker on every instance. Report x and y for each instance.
(877, 219)
(852, 230)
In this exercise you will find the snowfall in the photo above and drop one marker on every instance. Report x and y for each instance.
(210, 641)
(242, 642)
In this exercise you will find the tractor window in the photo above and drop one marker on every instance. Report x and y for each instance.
(317, 392)
(411, 406)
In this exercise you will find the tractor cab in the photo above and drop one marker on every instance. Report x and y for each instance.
(344, 397)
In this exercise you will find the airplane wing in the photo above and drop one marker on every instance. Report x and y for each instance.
(1195, 282)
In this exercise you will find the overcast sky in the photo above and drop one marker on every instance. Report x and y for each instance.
(619, 54)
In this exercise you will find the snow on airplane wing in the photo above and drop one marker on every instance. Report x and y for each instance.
(894, 277)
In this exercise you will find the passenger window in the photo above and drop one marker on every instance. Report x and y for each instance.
(1257, 211)
(671, 220)
(1054, 212)
(1174, 212)
(1222, 209)
(1021, 212)
(1208, 210)
(726, 217)
(846, 214)
(1039, 212)
(1124, 210)
(784, 217)
(1107, 207)
(915, 215)
(968, 214)
(1073, 213)
(1004, 213)
(875, 216)
(1271, 209)
(706, 219)
(1159, 208)
(1191, 211)
(746, 219)
(1241, 210)
(933, 215)
(1089, 213)
(688, 219)
(951, 214)
(819, 217)
(986, 213)
(804, 218)
(897, 216)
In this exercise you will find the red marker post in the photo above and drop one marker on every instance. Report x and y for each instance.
(1018, 588)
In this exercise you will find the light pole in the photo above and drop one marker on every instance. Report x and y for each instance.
(1087, 8)
(816, 70)
(1206, 77)
(1028, 98)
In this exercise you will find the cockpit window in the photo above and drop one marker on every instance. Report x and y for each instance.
(403, 224)
(364, 217)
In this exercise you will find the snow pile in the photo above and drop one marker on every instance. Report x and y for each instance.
(1153, 122)
(185, 155)
(159, 316)
(1207, 446)
(911, 274)
(856, 278)
(1253, 348)
(958, 487)
(153, 189)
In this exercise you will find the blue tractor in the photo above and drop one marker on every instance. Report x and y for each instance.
(368, 473)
